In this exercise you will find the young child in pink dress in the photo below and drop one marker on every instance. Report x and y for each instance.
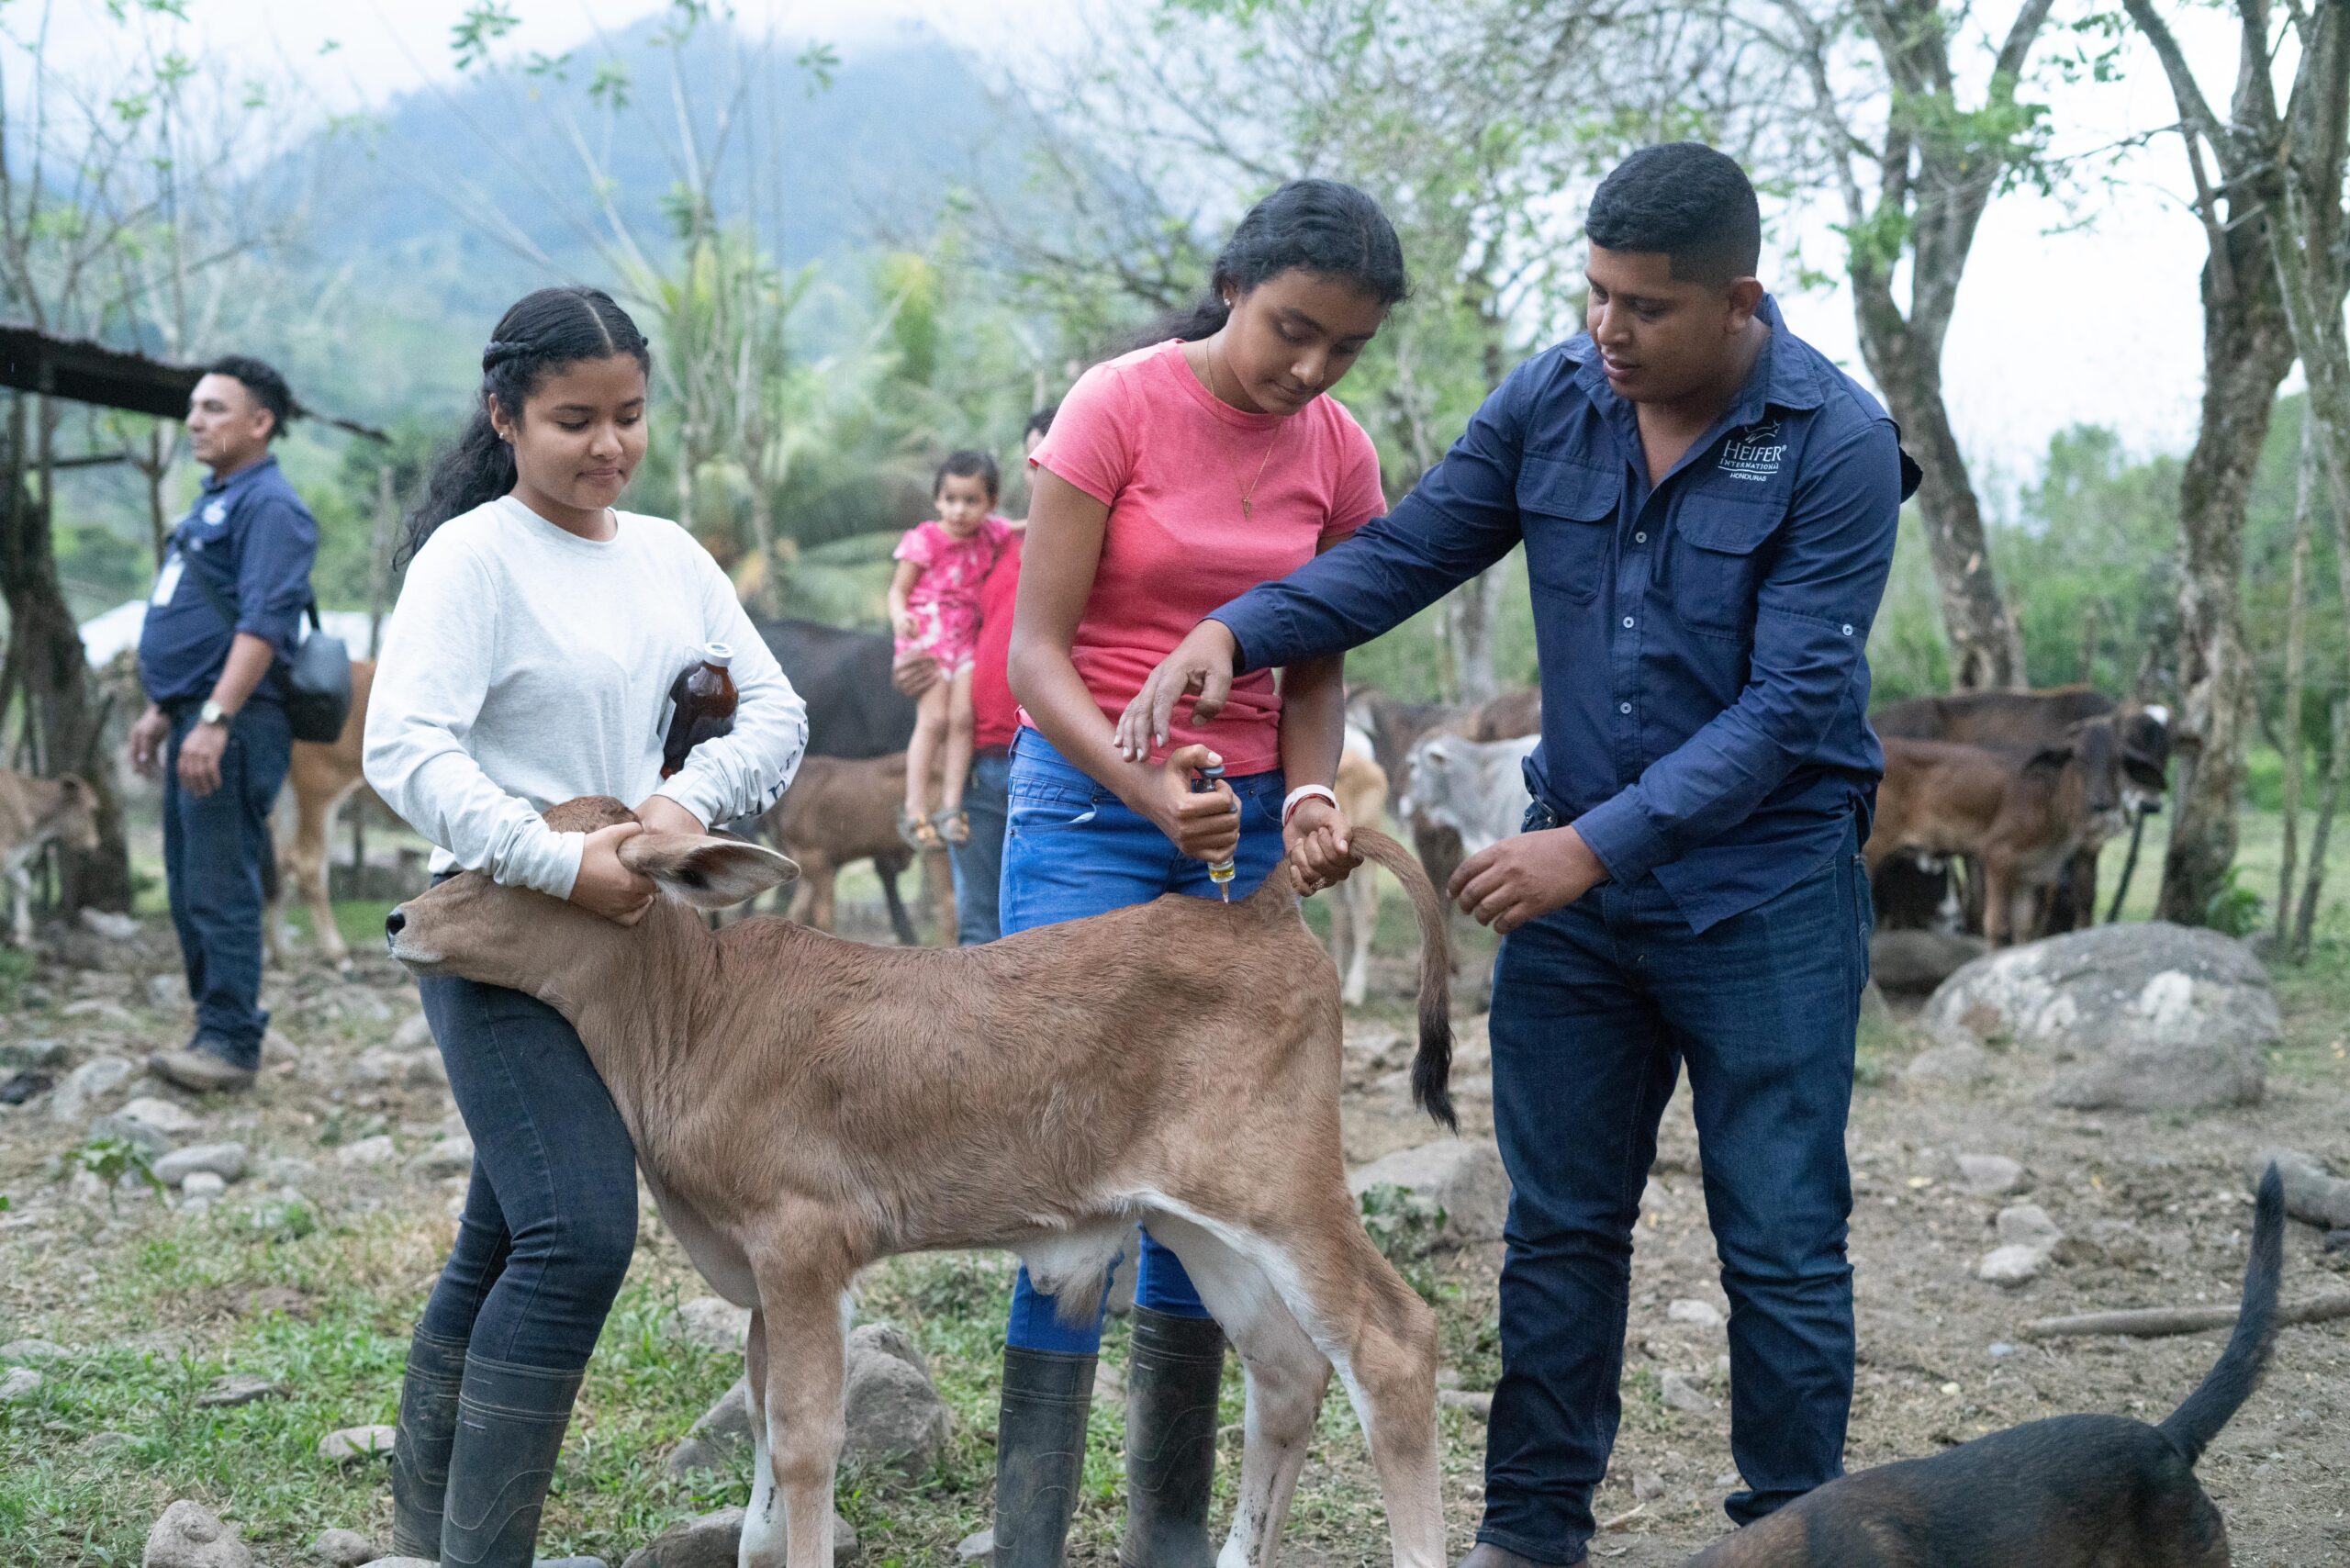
(935, 605)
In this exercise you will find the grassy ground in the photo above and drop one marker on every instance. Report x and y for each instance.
(319, 1293)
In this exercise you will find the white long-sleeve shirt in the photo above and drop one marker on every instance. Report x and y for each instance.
(525, 666)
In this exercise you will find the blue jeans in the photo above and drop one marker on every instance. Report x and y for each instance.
(550, 1220)
(978, 865)
(1596, 1007)
(214, 852)
(1072, 849)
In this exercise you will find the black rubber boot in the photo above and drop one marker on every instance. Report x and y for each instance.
(1039, 1453)
(436, 1367)
(1174, 1371)
(511, 1421)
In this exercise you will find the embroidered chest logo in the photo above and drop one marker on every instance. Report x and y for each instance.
(216, 512)
(1754, 453)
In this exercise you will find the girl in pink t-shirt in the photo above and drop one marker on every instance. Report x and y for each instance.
(935, 607)
(1173, 478)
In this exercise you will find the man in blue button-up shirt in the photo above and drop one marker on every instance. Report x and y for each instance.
(1707, 506)
(225, 615)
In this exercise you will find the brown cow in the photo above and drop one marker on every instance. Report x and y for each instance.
(35, 813)
(318, 779)
(804, 1106)
(2025, 819)
(2013, 720)
(840, 811)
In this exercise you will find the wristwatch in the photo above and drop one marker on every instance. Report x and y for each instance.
(213, 713)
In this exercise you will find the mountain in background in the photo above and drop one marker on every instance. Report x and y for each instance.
(431, 218)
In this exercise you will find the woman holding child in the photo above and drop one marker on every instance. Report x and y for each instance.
(1174, 478)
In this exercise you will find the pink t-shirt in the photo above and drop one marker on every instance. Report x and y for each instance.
(1171, 461)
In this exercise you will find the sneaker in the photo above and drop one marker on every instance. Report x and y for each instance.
(203, 1071)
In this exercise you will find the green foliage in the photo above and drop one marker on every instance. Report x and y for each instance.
(110, 1159)
(2236, 909)
(1406, 1229)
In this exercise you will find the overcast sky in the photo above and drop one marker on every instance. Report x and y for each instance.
(2058, 322)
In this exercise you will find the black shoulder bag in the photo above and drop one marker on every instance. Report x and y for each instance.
(317, 678)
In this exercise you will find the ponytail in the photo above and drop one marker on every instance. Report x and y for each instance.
(1315, 226)
(542, 333)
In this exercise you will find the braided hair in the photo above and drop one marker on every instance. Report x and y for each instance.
(542, 333)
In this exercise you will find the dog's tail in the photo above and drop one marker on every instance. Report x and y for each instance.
(1432, 1068)
(2193, 1425)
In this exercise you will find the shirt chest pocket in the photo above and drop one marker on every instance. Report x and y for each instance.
(1721, 547)
(1567, 514)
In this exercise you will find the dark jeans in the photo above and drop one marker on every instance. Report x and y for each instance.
(214, 852)
(978, 865)
(1596, 1007)
(550, 1220)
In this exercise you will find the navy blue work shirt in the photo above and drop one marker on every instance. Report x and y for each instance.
(1703, 641)
(255, 540)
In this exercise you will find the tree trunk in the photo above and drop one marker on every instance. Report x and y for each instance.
(46, 648)
(2297, 950)
(1472, 616)
(1985, 648)
(2297, 641)
(2247, 348)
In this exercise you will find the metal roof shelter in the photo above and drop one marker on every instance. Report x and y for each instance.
(84, 372)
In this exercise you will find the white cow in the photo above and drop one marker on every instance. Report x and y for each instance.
(1475, 787)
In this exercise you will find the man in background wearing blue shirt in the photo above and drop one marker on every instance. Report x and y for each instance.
(1707, 506)
(224, 617)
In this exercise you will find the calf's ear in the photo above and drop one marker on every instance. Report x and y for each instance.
(708, 873)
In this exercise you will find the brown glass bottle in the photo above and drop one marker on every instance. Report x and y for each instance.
(702, 702)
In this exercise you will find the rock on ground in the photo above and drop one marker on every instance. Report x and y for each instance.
(353, 1444)
(1476, 1402)
(1961, 1062)
(713, 1324)
(1703, 1314)
(1684, 1396)
(452, 1156)
(895, 1416)
(712, 1542)
(1462, 1176)
(2312, 1194)
(153, 1140)
(20, 1384)
(2133, 1017)
(415, 1034)
(189, 1537)
(2028, 1225)
(225, 1160)
(31, 1350)
(166, 1117)
(87, 1084)
(367, 1153)
(2011, 1266)
(343, 1548)
(723, 1428)
(1917, 961)
(976, 1546)
(1989, 1175)
(201, 1187)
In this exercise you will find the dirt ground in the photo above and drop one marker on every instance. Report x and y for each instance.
(2154, 1209)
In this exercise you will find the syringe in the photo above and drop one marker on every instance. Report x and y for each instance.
(1219, 872)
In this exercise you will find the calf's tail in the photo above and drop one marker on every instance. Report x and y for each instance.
(2193, 1425)
(1432, 1067)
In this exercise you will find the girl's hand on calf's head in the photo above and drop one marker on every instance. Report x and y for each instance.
(604, 885)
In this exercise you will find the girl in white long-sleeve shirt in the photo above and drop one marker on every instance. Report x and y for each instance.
(529, 661)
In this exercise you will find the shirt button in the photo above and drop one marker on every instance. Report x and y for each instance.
(1623, 707)
(1627, 623)
(1639, 539)
(1848, 628)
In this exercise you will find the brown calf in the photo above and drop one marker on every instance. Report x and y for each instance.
(803, 1106)
(33, 814)
(2024, 819)
(840, 811)
(1361, 789)
(319, 778)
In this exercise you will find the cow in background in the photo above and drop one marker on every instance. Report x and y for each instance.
(1914, 896)
(1396, 727)
(844, 678)
(2025, 818)
(33, 814)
